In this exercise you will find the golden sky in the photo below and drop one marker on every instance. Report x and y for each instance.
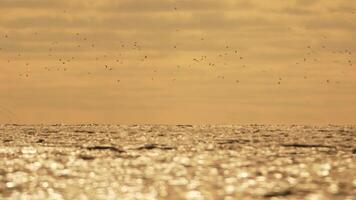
(178, 61)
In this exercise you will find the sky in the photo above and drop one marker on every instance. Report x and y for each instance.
(178, 61)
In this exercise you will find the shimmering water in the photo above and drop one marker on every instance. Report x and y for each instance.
(177, 162)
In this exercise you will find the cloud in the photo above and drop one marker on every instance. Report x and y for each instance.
(33, 4)
(270, 36)
(306, 3)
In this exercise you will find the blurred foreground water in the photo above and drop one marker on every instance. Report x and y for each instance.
(177, 162)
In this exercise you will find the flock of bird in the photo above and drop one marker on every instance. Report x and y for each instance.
(62, 63)
(222, 58)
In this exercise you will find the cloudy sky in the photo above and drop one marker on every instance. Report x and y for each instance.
(178, 61)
